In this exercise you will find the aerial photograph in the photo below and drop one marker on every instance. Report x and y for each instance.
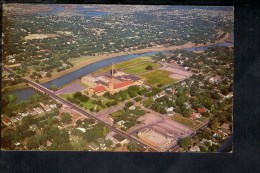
(117, 78)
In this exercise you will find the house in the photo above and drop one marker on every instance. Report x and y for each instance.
(17, 143)
(205, 140)
(6, 120)
(195, 148)
(214, 79)
(121, 123)
(82, 129)
(18, 117)
(170, 111)
(209, 141)
(217, 135)
(53, 106)
(157, 96)
(202, 110)
(25, 114)
(102, 143)
(195, 115)
(49, 143)
(13, 120)
(224, 131)
(33, 113)
(188, 105)
(47, 108)
(120, 139)
(33, 127)
(38, 110)
(132, 107)
(93, 146)
(225, 126)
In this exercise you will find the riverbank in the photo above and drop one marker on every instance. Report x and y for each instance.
(15, 87)
(86, 60)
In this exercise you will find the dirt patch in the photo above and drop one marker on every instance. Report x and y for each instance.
(98, 31)
(39, 36)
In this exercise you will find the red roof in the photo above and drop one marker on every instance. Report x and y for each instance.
(99, 88)
(6, 120)
(201, 110)
(122, 84)
(45, 50)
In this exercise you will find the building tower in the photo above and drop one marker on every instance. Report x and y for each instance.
(111, 82)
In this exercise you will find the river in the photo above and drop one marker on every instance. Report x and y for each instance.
(81, 10)
(25, 93)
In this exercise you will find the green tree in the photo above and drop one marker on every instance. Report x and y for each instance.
(185, 143)
(79, 122)
(66, 147)
(11, 98)
(129, 104)
(54, 87)
(131, 147)
(160, 85)
(77, 94)
(32, 143)
(48, 74)
(149, 67)
(66, 118)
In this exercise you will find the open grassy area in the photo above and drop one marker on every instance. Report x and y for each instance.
(88, 104)
(203, 119)
(140, 68)
(81, 59)
(123, 65)
(185, 121)
(156, 77)
(66, 95)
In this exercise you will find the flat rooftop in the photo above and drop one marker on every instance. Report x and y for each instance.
(154, 138)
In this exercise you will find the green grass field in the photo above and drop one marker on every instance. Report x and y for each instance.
(156, 77)
(76, 61)
(134, 63)
(140, 68)
(203, 119)
(88, 104)
(185, 121)
(66, 95)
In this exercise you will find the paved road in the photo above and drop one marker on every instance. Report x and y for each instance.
(82, 111)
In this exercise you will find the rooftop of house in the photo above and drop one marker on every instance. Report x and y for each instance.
(119, 137)
(123, 84)
(99, 88)
(92, 145)
(225, 126)
(6, 119)
(223, 130)
(202, 110)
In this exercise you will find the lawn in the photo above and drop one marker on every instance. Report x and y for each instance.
(88, 104)
(79, 60)
(65, 96)
(140, 68)
(156, 77)
(185, 121)
(125, 64)
(203, 119)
